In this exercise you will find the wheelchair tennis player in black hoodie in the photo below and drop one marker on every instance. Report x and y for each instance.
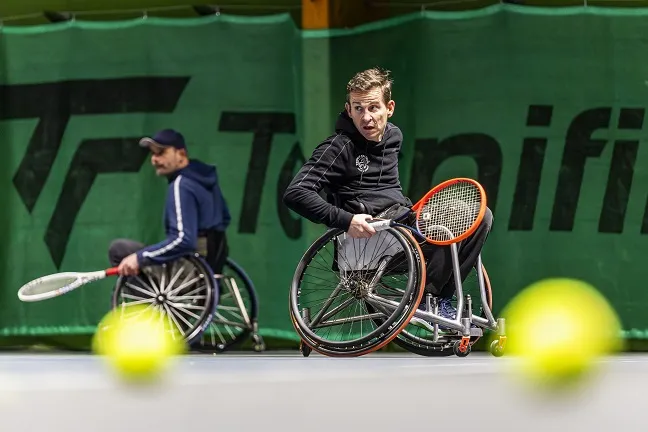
(358, 167)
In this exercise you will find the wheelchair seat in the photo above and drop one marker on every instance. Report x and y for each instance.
(212, 245)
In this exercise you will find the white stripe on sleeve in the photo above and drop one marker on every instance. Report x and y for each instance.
(181, 234)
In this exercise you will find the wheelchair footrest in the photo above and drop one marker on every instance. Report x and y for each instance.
(474, 332)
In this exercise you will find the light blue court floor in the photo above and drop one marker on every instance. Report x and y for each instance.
(286, 392)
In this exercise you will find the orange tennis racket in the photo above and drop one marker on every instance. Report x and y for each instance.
(448, 213)
(451, 211)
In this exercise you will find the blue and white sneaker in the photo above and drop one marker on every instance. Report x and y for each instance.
(446, 310)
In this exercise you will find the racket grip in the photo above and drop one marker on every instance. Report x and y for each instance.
(112, 271)
(379, 225)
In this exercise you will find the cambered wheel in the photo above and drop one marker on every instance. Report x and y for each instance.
(184, 290)
(235, 315)
(340, 278)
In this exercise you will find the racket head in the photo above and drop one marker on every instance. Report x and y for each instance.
(49, 286)
(57, 284)
(451, 211)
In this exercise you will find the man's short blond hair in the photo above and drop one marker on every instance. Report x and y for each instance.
(368, 80)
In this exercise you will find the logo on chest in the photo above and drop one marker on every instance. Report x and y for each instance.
(362, 162)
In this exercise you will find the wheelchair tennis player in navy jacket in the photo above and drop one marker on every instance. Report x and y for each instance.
(195, 208)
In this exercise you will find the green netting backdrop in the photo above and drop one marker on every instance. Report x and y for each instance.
(545, 107)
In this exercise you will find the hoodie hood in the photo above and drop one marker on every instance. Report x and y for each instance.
(392, 136)
(199, 172)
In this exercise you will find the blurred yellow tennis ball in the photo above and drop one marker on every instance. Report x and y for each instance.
(137, 341)
(558, 328)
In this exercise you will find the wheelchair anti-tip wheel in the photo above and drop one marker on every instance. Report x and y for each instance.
(305, 349)
(339, 278)
(235, 316)
(184, 290)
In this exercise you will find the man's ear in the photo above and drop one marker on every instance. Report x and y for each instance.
(391, 105)
(347, 107)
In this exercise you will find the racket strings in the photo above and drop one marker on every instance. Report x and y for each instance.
(450, 212)
(46, 285)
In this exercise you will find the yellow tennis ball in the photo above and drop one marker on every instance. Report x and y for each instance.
(137, 342)
(558, 328)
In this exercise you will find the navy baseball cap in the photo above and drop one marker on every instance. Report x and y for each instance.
(165, 138)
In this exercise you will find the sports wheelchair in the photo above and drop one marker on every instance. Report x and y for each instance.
(212, 312)
(350, 297)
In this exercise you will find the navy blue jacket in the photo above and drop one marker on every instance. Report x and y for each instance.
(194, 203)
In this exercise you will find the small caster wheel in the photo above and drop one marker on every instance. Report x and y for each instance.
(496, 349)
(259, 345)
(305, 349)
(461, 348)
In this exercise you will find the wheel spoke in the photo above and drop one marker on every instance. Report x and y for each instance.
(180, 290)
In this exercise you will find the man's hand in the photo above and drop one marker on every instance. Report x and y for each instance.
(359, 227)
(129, 266)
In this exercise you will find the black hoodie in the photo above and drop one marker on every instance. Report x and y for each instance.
(358, 175)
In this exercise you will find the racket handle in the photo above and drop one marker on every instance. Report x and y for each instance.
(112, 271)
(379, 225)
